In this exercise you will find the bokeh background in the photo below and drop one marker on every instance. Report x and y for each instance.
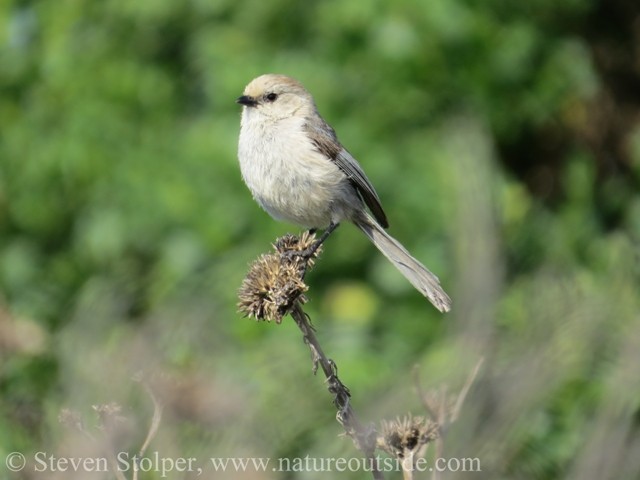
(504, 141)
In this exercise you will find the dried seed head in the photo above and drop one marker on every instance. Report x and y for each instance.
(289, 244)
(71, 419)
(275, 280)
(108, 415)
(404, 437)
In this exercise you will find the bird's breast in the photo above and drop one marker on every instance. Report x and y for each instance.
(287, 176)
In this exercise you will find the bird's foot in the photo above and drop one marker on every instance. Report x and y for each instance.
(309, 252)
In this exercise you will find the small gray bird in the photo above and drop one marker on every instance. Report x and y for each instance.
(298, 171)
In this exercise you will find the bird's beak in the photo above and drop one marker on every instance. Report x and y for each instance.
(247, 101)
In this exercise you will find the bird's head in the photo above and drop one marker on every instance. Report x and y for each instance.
(277, 97)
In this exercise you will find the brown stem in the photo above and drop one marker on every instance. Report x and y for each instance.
(363, 438)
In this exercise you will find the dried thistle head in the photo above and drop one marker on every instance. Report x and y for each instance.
(71, 419)
(403, 438)
(290, 244)
(108, 415)
(275, 281)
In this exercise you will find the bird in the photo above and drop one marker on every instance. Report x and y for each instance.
(298, 171)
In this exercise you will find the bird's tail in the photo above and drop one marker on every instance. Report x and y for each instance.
(419, 276)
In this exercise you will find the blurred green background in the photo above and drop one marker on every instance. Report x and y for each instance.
(504, 141)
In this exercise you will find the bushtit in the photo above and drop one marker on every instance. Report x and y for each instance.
(298, 171)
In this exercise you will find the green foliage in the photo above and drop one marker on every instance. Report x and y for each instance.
(504, 151)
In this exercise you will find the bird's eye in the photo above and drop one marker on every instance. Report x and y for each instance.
(271, 97)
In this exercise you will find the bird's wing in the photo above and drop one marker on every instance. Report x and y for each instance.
(325, 140)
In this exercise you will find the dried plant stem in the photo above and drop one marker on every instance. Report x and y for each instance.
(155, 420)
(363, 438)
(153, 426)
(439, 442)
(437, 406)
(275, 287)
(114, 467)
(465, 390)
(407, 472)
